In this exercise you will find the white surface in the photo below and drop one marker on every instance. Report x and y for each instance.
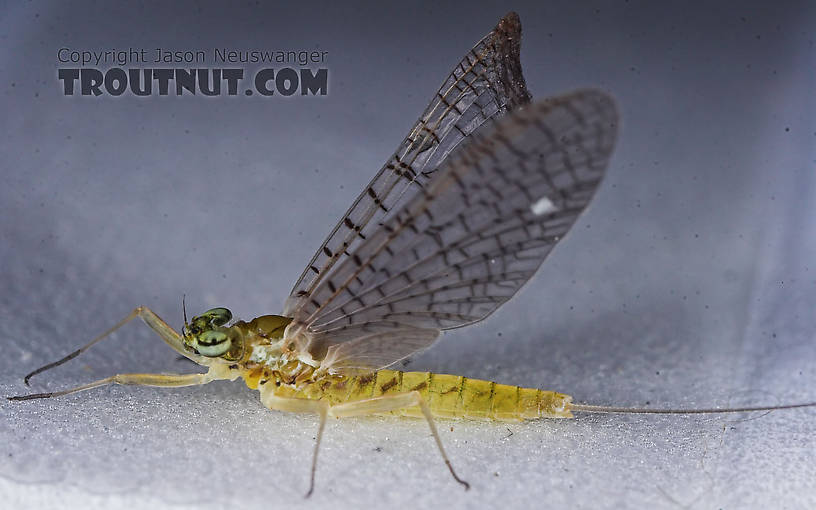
(691, 282)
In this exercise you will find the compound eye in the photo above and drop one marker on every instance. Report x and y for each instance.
(217, 316)
(213, 344)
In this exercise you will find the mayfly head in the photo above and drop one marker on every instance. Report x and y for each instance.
(206, 335)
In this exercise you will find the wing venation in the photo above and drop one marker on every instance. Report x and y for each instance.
(447, 232)
(485, 84)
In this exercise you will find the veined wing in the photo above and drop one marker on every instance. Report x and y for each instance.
(468, 240)
(485, 84)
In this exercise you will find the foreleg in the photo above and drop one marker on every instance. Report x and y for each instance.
(168, 334)
(162, 380)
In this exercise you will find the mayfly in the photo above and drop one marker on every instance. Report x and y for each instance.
(462, 215)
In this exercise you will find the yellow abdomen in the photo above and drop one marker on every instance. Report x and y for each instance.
(448, 396)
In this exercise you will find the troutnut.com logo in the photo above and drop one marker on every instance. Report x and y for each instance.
(103, 72)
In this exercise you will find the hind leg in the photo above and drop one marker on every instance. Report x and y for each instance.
(387, 403)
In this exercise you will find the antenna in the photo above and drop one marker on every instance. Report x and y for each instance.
(184, 308)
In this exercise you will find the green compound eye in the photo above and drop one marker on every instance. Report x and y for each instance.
(216, 316)
(213, 344)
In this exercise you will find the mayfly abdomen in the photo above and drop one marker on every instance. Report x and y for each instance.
(453, 396)
(447, 396)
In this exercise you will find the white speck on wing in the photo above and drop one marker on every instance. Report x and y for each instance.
(543, 206)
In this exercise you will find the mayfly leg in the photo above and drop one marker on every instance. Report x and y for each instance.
(168, 334)
(382, 404)
(387, 403)
(301, 405)
(160, 380)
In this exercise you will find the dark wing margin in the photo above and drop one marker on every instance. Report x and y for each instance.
(468, 240)
(484, 85)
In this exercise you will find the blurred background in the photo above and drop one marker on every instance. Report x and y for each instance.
(690, 282)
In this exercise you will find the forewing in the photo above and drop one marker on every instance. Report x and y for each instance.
(378, 350)
(472, 236)
(485, 84)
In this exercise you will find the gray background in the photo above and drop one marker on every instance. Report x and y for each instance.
(690, 282)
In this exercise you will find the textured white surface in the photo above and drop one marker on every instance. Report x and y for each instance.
(690, 283)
